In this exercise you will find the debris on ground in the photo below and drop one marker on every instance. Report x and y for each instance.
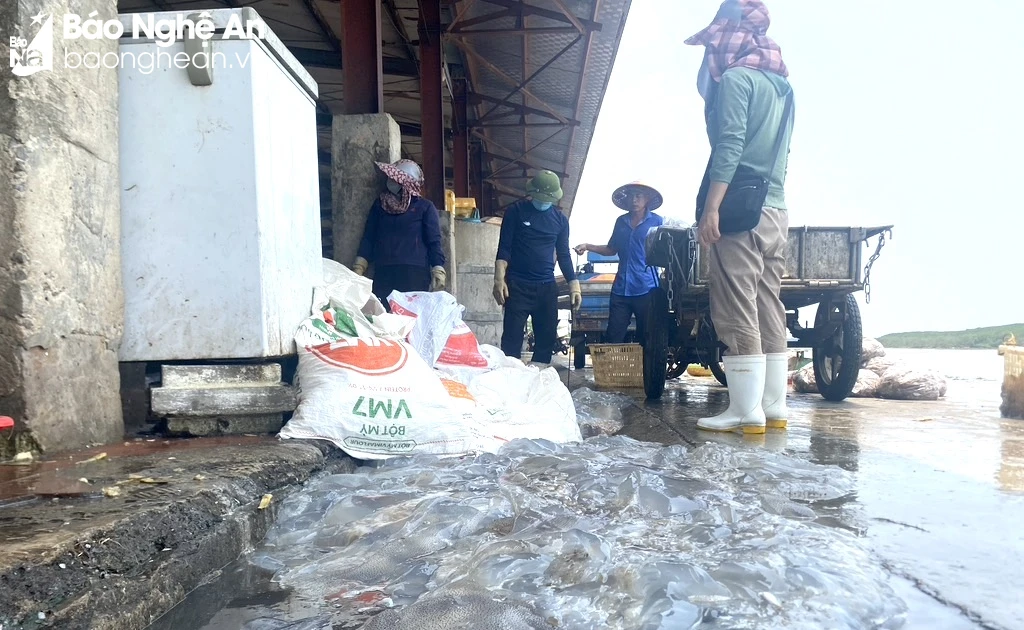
(265, 501)
(881, 377)
(867, 384)
(599, 413)
(902, 383)
(111, 491)
(24, 457)
(95, 458)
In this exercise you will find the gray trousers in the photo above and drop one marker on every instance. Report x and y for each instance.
(745, 279)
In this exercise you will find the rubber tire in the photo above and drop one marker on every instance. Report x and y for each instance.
(656, 345)
(853, 341)
(719, 371)
(579, 356)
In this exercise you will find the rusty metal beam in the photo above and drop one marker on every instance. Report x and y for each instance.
(519, 109)
(558, 16)
(526, 80)
(481, 19)
(499, 151)
(507, 79)
(511, 192)
(460, 139)
(478, 125)
(575, 21)
(361, 49)
(431, 102)
(540, 30)
(579, 91)
(462, 12)
(318, 58)
(532, 149)
(520, 163)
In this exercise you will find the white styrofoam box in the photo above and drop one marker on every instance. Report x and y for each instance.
(220, 203)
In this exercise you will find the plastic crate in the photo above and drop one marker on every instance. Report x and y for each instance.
(618, 365)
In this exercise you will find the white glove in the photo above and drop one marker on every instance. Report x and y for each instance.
(500, 286)
(575, 295)
(360, 265)
(439, 278)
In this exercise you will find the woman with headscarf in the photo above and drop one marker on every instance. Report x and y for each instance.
(402, 236)
(748, 111)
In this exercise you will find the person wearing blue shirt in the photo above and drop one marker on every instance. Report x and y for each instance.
(533, 233)
(634, 280)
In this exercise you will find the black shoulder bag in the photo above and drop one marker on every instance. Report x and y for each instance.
(741, 208)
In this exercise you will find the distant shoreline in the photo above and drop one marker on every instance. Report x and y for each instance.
(973, 339)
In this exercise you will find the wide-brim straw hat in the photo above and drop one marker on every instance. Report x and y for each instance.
(621, 197)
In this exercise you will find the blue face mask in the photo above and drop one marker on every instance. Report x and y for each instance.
(541, 205)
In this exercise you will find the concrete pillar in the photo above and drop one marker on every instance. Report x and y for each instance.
(358, 141)
(61, 302)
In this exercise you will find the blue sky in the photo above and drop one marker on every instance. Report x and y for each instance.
(908, 113)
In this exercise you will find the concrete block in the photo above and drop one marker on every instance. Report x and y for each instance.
(223, 401)
(357, 142)
(225, 425)
(61, 301)
(210, 376)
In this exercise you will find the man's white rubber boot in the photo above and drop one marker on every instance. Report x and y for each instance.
(745, 375)
(776, 385)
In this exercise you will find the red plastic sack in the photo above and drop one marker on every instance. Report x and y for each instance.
(462, 348)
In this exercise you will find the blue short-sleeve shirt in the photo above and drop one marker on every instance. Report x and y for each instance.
(634, 277)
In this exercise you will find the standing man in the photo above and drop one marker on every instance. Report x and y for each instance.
(533, 231)
(634, 280)
(748, 109)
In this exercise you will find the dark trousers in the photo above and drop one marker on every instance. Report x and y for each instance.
(402, 278)
(620, 310)
(539, 301)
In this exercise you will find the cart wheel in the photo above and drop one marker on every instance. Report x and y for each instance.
(837, 359)
(579, 357)
(718, 370)
(656, 345)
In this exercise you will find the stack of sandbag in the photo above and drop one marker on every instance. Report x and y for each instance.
(882, 377)
(367, 381)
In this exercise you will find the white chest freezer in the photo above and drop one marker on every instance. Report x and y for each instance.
(220, 203)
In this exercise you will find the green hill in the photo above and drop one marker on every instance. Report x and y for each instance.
(989, 337)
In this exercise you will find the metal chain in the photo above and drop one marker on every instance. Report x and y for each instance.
(671, 271)
(871, 262)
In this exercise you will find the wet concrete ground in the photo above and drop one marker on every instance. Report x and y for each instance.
(940, 487)
(76, 557)
(940, 500)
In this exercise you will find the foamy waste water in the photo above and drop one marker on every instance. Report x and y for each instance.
(608, 533)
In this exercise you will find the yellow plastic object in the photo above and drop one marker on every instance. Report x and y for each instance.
(696, 370)
(465, 207)
(618, 365)
(449, 201)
